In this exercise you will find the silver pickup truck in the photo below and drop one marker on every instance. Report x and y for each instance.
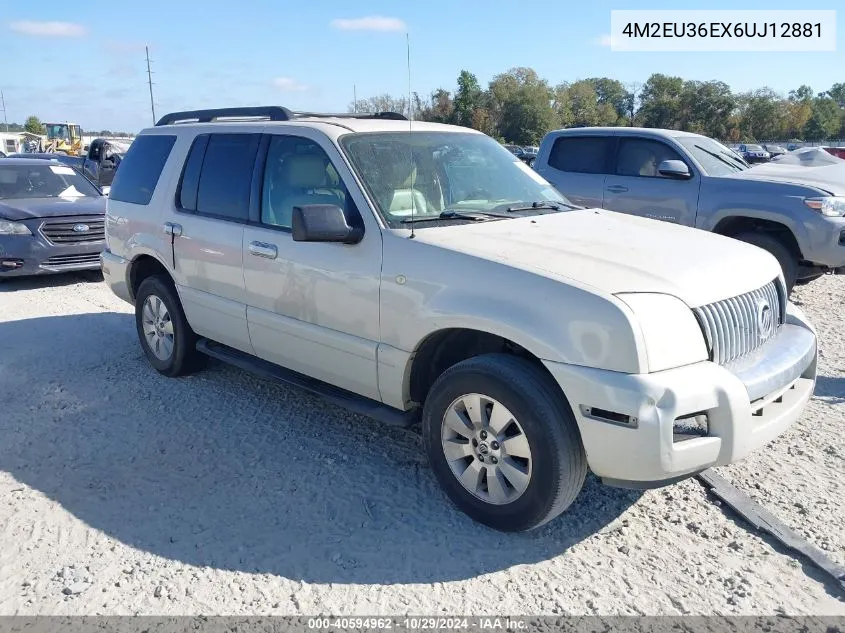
(794, 212)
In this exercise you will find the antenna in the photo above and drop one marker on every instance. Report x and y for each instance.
(354, 98)
(150, 82)
(410, 137)
(3, 100)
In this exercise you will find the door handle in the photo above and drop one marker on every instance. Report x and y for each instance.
(617, 189)
(263, 249)
(171, 228)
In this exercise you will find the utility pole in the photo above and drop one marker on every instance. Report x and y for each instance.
(150, 82)
(5, 120)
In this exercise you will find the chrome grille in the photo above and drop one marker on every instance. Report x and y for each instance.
(736, 326)
(72, 260)
(62, 231)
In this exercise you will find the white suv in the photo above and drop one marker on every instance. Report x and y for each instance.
(420, 271)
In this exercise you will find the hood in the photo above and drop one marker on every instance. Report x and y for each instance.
(17, 209)
(830, 178)
(614, 253)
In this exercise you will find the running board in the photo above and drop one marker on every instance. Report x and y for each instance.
(340, 397)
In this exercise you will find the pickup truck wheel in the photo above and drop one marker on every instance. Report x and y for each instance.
(164, 333)
(788, 262)
(503, 443)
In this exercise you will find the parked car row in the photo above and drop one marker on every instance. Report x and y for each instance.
(525, 154)
(426, 275)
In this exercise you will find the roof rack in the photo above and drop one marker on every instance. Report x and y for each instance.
(273, 113)
(390, 116)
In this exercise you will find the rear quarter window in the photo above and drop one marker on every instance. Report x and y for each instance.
(580, 154)
(139, 172)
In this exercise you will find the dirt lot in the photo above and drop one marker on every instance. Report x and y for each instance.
(125, 492)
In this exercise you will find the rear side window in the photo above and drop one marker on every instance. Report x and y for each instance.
(581, 154)
(136, 179)
(225, 177)
(189, 184)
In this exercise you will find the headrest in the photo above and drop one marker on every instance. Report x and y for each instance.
(305, 172)
(8, 176)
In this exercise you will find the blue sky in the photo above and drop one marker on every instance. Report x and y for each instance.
(84, 62)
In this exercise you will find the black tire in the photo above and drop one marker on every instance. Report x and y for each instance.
(184, 358)
(774, 245)
(559, 464)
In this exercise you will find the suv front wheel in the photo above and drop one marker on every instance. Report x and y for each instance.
(166, 338)
(503, 443)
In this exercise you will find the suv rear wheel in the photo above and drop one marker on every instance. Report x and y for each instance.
(166, 338)
(503, 443)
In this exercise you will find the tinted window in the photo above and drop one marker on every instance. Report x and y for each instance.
(581, 154)
(640, 157)
(298, 172)
(188, 185)
(140, 169)
(226, 175)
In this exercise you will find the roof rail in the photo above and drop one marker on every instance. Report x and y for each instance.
(392, 116)
(274, 113)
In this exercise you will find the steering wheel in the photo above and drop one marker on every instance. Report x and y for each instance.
(479, 194)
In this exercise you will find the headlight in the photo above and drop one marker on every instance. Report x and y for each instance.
(831, 206)
(672, 335)
(13, 228)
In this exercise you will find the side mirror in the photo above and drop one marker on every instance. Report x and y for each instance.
(323, 223)
(674, 169)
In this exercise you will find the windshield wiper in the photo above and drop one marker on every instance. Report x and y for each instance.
(449, 214)
(542, 204)
(721, 157)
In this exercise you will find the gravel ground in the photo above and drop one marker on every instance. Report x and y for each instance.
(125, 492)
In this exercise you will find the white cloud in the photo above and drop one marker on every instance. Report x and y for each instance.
(48, 29)
(605, 40)
(289, 85)
(370, 23)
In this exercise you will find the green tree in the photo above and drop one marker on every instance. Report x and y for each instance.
(837, 93)
(824, 122)
(522, 106)
(764, 116)
(468, 98)
(611, 92)
(33, 125)
(660, 101)
(706, 107)
(439, 109)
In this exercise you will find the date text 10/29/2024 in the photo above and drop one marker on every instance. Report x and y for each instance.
(407, 623)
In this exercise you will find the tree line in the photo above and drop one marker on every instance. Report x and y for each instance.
(520, 107)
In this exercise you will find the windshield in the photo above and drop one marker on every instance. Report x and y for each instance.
(43, 181)
(449, 171)
(715, 159)
(57, 130)
(753, 148)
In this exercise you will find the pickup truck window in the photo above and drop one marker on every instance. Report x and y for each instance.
(715, 159)
(426, 174)
(298, 172)
(581, 154)
(640, 157)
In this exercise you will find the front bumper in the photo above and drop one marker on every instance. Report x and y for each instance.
(24, 255)
(116, 274)
(640, 449)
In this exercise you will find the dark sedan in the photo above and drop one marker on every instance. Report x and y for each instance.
(52, 219)
(754, 153)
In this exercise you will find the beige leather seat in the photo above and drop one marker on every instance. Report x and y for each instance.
(301, 180)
